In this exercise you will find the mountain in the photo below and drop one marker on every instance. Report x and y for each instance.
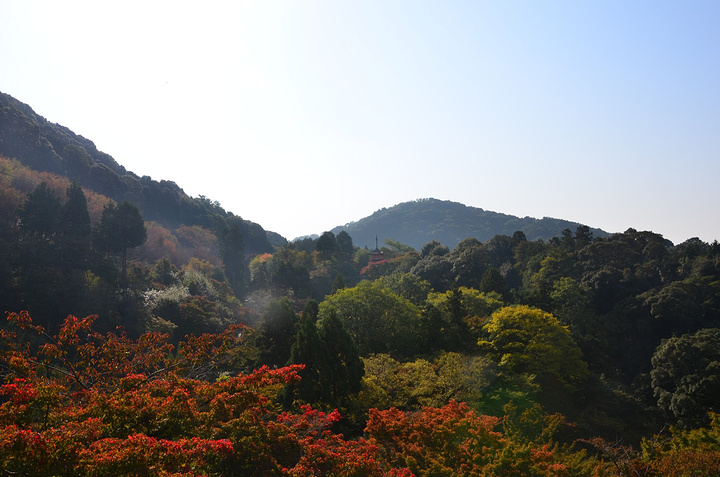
(44, 146)
(48, 147)
(420, 221)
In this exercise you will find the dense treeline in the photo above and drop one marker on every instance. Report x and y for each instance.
(577, 355)
(68, 250)
(616, 336)
(602, 329)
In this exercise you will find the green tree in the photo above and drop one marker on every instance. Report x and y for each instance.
(121, 227)
(519, 237)
(583, 236)
(435, 269)
(164, 273)
(345, 246)
(197, 316)
(479, 305)
(290, 278)
(463, 377)
(41, 283)
(415, 384)
(454, 318)
(470, 260)
(620, 266)
(677, 308)
(493, 281)
(693, 452)
(232, 252)
(406, 386)
(40, 214)
(378, 320)
(309, 350)
(327, 244)
(338, 283)
(528, 340)
(407, 286)
(260, 270)
(500, 250)
(558, 263)
(685, 377)
(433, 248)
(344, 368)
(398, 247)
(276, 333)
(570, 304)
(446, 319)
(75, 227)
(75, 251)
(311, 309)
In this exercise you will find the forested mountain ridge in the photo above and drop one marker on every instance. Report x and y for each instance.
(47, 147)
(503, 355)
(418, 222)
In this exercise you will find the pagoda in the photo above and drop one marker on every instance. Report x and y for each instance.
(376, 255)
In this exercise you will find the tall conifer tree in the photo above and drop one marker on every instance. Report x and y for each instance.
(75, 227)
(309, 350)
(345, 368)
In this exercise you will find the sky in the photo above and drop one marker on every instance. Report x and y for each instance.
(305, 115)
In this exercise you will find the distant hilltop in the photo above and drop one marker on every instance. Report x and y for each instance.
(43, 146)
(418, 222)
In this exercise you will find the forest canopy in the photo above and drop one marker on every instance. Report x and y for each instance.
(151, 333)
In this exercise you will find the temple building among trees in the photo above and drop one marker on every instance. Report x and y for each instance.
(376, 255)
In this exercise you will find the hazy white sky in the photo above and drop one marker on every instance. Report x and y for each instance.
(304, 115)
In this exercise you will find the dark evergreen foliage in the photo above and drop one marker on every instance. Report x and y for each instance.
(276, 333)
(308, 350)
(686, 376)
(344, 367)
(232, 252)
(39, 216)
(75, 228)
(327, 243)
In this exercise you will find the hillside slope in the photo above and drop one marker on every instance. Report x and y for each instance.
(45, 146)
(418, 222)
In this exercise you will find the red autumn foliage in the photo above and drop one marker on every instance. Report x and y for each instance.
(83, 403)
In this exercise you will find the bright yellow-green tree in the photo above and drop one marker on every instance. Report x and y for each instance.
(529, 340)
